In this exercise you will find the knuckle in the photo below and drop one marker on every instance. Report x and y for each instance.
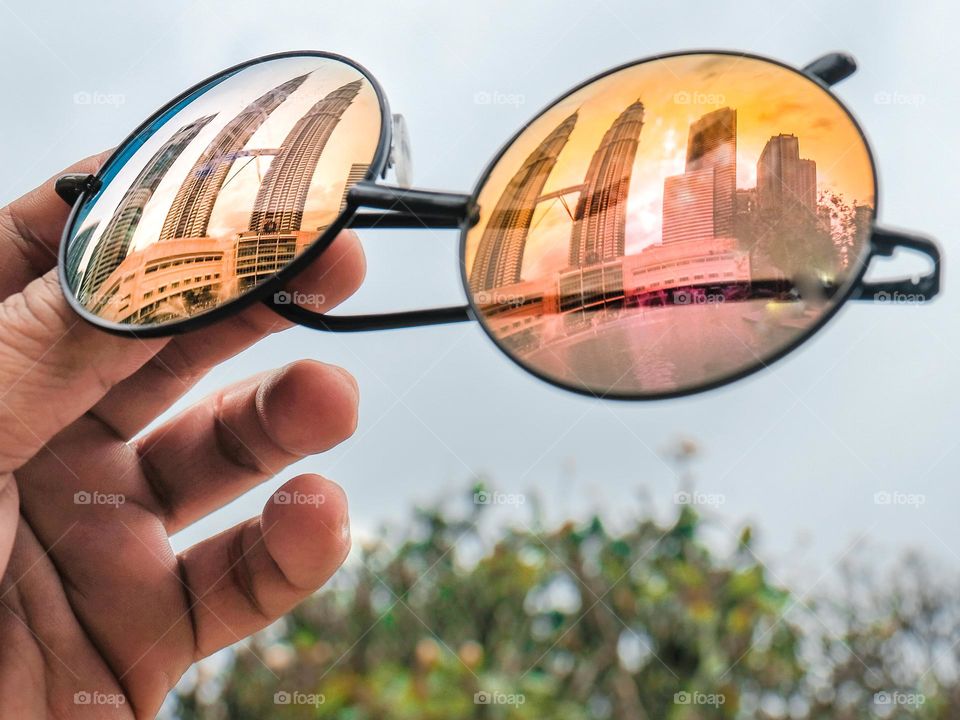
(32, 323)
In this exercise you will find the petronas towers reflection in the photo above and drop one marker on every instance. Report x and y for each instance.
(718, 242)
(185, 271)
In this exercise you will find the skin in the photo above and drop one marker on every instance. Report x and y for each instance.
(95, 605)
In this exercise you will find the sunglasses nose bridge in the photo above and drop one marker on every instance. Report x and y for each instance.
(394, 208)
(405, 201)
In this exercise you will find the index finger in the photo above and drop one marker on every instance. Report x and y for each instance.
(135, 402)
(30, 230)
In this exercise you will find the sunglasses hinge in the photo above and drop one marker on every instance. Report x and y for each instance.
(832, 68)
(71, 186)
(883, 243)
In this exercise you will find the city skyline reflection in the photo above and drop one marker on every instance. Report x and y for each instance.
(670, 225)
(226, 192)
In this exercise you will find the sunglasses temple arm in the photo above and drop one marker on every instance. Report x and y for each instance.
(831, 68)
(883, 243)
(399, 207)
(384, 321)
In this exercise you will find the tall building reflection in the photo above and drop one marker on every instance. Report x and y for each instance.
(599, 228)
(192, 207)
(700, 204)
(500, 252)
(718, 243)
(688, 207)
(712, 144)
(187, 271)
(114, 243)
(785, 181)
(283, 192)
(75, 251)
(273, 239)
(358, 171)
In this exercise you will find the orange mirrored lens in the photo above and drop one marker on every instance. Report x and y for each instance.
(671, 225)
(221, 194)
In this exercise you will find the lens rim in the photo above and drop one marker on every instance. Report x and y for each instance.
(377, 167)
(843, 294)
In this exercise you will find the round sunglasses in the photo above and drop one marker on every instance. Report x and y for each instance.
(666, 227)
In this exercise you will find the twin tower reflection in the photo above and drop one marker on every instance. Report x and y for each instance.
(734, 274)
(184, 270)
(589, 322)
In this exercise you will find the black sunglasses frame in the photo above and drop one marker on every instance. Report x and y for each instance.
(825, 71)
(77, 189)
(410, 208)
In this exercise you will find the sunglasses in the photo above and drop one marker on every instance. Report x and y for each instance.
(666, 227)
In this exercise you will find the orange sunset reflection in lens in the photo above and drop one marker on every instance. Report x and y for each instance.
(224, 191)
(671, 225)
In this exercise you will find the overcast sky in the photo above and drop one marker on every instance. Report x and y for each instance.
(799, 450)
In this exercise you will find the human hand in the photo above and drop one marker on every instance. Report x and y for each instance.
(99, 617)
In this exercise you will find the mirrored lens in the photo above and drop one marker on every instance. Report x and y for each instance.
(671, 225)
(223, 190)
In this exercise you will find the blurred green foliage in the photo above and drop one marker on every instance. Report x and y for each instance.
(578, 623)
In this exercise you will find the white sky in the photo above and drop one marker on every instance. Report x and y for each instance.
(799, 450)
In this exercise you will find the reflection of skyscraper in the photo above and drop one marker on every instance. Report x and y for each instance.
(358, 171)
(688, 206)
(701, 203)
(114, 242)
(599, 228)
(500, 251)
(784, 180)
(283, 193)
(191, 209)
(75, 250)
(712, 143)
